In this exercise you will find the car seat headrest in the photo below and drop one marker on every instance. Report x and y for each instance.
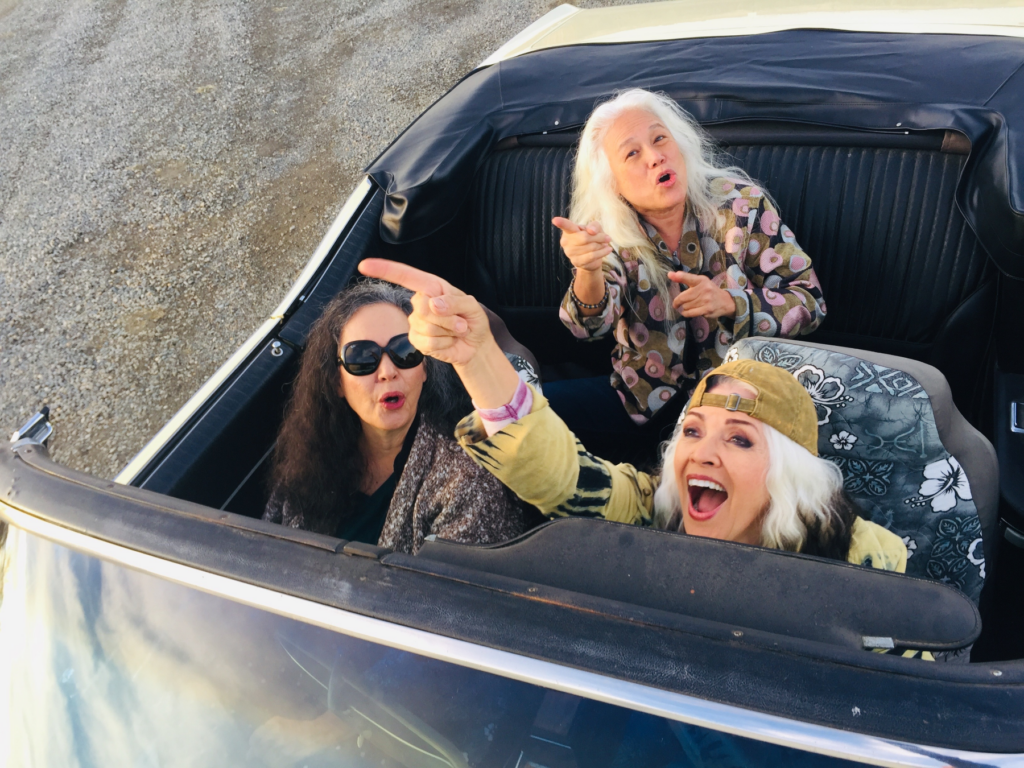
(909, 459)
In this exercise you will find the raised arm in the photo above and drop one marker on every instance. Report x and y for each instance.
(585, 247)
(594, 298)
(536, 456)
(451, 326)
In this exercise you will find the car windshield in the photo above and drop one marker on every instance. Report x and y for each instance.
(101, 665)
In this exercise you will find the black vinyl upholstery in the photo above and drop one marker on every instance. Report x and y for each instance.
(781, 589)
(887, 240)
(901, 271)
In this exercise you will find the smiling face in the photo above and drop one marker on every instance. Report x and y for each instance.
(649, 169)
(385, 400)
(721, 462)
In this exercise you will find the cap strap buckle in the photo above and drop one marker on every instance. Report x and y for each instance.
(732, 402)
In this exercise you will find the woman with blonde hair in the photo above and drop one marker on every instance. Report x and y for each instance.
(675, 254)
(742, 464)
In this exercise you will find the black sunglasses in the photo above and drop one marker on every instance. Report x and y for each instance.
(361, 358)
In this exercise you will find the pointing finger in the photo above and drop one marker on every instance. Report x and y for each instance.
(565, 225)
(685, 278)
(408, 277)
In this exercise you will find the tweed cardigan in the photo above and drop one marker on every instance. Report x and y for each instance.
(440, 492)
(748, 252)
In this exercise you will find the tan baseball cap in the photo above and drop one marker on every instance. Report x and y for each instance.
(781, 402)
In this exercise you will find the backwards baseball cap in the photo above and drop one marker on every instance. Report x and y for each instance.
(781, 402)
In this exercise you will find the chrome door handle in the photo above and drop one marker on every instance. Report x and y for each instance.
(1017, 417)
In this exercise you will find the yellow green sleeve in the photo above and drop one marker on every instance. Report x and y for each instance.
(874, 546)
(540, 459)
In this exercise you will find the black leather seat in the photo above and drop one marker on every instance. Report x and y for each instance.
(902, 272)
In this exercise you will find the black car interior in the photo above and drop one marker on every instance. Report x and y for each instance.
(777, 594)
(902, 274)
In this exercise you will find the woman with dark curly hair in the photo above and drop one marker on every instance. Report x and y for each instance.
(366, 451)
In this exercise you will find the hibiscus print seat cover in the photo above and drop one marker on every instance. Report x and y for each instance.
(877, 425)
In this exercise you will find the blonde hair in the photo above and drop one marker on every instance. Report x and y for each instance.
(593, 184)
(805, 492)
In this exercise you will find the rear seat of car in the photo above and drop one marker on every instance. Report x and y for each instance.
(902, 272)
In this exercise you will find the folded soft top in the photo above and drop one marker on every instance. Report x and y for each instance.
(864, 81)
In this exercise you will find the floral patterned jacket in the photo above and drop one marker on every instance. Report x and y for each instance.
(750, 253)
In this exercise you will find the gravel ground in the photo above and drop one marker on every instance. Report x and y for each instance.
(167, 169)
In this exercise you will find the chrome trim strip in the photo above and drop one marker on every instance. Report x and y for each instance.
(1013, 418)
(359, 194)
(194, 403)
(822, 740)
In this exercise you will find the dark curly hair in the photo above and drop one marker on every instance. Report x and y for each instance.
(317, 466)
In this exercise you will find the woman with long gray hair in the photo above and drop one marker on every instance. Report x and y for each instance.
(674, 253)
(366, 452)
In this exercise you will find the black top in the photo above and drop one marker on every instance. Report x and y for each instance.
(369, 512)
(875, 83)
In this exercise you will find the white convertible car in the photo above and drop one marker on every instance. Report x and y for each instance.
(156, 620)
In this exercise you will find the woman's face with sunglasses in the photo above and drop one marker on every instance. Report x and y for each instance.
(386, 397)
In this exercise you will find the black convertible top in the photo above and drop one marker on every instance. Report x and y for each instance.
(864, 81)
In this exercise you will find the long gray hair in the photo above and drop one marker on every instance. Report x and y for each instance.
(593, 184)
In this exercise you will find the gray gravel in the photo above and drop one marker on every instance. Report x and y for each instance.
(166, 170)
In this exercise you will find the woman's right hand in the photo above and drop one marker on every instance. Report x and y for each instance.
(445, 323)
(586, 246)
(451, 326)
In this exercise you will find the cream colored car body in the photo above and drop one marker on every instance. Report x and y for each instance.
(678, 19)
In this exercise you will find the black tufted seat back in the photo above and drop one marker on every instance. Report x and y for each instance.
(902, 272)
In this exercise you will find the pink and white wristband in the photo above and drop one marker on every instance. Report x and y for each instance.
(496, 419)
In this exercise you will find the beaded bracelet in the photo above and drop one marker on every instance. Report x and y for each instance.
(582, 305)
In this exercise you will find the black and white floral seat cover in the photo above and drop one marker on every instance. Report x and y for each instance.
(877, 425)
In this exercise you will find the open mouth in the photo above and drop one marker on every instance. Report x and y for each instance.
(706, 497)
(393, 400)
(666, 178)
